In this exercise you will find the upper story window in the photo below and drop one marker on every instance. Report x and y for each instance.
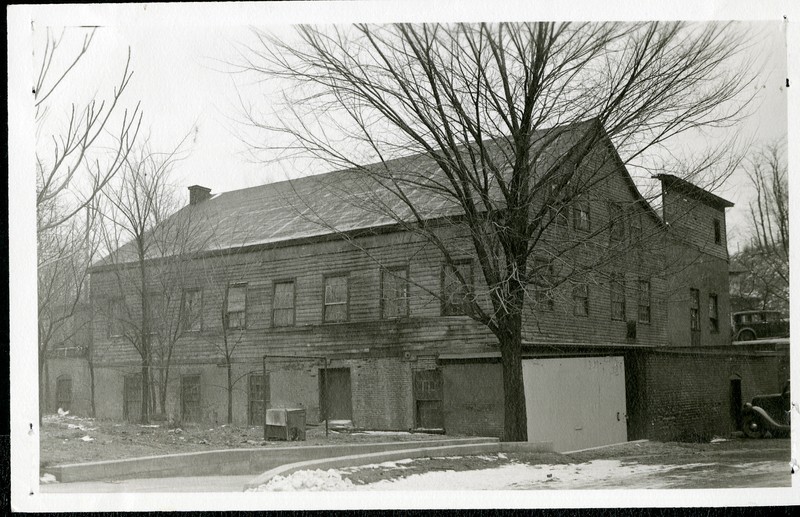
(394, 293)
(580, 300)
(283, 304)
(636, 226)
(155, 313)
(235, 307)
(644, 301)
(335, 302)
(713, 313)
(618, 297)
(581, 215)
(694, 310)
(456, 288)
(543, 283)
(556, 211)
(717, 232)
(616, 222)
(192, 310)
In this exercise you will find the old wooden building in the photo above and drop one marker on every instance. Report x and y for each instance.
(304, 293)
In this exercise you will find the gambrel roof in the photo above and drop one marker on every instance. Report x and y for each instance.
(350, 200)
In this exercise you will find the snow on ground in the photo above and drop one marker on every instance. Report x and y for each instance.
(386, 433)
(514, 476)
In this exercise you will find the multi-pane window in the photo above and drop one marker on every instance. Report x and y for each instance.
(580, 300)
(644, 301)
(616, 222)
(717, 232)
(456, 288)
(694, 310)
(335, 302)
(557, 212)
(283, 304)
(190, 398)
(191, 310)
(394, 293)
(235, 307)
(581, 215)
(617, 297)
(543, 283)
(257, 396)
(155, 313)
(713, 313)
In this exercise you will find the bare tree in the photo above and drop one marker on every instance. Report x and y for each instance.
(149, 248)
(766, 255)
(512, 124)
(73, 164)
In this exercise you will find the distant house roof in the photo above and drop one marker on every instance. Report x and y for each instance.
(671, 182)
(342, 201)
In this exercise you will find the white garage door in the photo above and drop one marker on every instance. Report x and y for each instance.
(576, 402)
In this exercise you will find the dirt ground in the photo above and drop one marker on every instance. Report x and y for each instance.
(70, 439)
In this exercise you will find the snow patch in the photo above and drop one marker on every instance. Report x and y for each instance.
(48, 478)
(87, 438)
(324, 480)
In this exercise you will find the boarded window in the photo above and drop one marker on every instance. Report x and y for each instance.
(713, 313)
(190, 398)
(192, 310)
(717, 232)
(694, 310)
(543, 280)
(64, 392)
(236, 306)
(456, 288)
(394, 293)
(335, 308)
(257, 397)
(580, 300)
(616, 222)
(644, 301)
(581, 216)
(617, 297)
(283, 304)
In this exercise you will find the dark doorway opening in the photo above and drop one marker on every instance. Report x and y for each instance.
(132, 398)
(64, 392)
(428, 399)
(190, 398)
(335, 395)
(736, 402)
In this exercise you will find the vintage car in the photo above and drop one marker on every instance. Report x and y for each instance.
(767, 413)
(750, 325)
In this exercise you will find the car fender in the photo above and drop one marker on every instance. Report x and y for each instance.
(768, 421)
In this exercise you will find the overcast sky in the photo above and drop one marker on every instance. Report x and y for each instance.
(181, 77)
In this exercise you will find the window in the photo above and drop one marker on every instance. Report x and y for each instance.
(155, 311)
(694, 310)
(581, 215)
(335, 306)
(644, 301)
(543, 283)
(283, 304)
(636, 226)
(617, 297)
(713, 313)
(190, 398)
(394, 293)
(456, 292)
(115, 318)
(717, 232)
(580, 298)
(191, 310)
(616, 222)
(235, 306)
(556, 211)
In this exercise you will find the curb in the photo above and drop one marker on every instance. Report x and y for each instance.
(380, 457)
(604, 446)
(229, 461)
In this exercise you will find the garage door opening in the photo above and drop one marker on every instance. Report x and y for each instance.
(335, 394)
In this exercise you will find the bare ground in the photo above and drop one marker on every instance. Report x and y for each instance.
(70, 439)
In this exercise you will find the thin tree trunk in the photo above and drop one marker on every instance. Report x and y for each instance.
(230, 391)
(144, 418)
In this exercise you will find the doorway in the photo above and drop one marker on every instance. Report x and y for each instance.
(132, 398)
(736, 402)
(335, 395)
(428, 399)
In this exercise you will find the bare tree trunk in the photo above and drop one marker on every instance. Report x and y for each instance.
(515, 422)
(230, 390)
(144, 418)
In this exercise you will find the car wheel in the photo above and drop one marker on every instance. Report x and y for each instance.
(747, 335)
(752, 427)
